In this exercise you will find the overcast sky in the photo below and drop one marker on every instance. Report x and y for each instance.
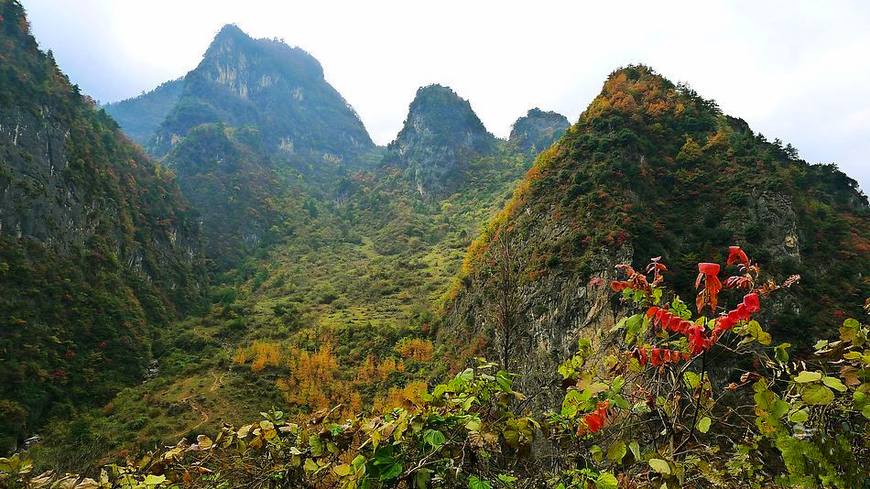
(798, 71)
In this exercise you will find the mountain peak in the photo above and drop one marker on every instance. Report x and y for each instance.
(266, 84)
(440, 101)
(438, 137)
(229, 31)
(538, 129)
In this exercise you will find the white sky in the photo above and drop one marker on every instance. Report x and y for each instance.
(796, 70)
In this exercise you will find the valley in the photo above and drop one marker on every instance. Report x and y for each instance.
(232, 247)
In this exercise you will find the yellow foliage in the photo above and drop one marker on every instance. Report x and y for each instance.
(262, 354)
(405, 397)
(415, 348)
(312, 378)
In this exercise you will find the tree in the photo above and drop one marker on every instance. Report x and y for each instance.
(503, 278)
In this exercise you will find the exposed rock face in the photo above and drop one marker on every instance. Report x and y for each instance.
(140, 116)
(537, 130)
(266, 84)
(439, 136)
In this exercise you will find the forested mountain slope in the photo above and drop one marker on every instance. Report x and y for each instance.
(253, 123)
(98, 250)
(140, 116)
(652, 169)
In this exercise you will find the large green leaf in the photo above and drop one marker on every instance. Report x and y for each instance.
(834, 383)
(606, 480)
(434, 438)
(817, 394)
(806, 377)
(660, 466)
(616, 451)
(476, 483)
(704, 424)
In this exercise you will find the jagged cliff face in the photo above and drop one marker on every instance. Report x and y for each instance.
(97, 247)
(439, 137)
(253, 122)
(266, 84)
(651, 169)
(140, 116)
(537, 130)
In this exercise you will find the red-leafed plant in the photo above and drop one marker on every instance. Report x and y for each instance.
(677, 388)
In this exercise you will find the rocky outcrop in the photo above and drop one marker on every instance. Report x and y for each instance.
(537, 130)
(439, 137)
(266, 84)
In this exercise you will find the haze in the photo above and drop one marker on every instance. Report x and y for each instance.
(793, 70)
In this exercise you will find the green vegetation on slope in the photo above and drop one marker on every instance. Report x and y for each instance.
(140, 116)
(97, 248)
(652, 169)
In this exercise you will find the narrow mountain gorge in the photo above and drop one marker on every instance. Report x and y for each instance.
(263, 261)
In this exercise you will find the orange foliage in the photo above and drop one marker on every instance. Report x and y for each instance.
(312, 378)
(416, 349)
(261, 353)
(405, 397)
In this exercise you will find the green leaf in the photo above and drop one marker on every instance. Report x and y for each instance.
(692, 379)
(834, 383)
(434, 438)
(392, 471)
(849, 330)
(342, 470)
(779, 408)
(507, 479)
(704, 424)
(781, 352)
(617, 384)
(820, 344)
(606, 480)
(421, 478)
(597, 453)
(660, 466)
(572, 402)
(310, 465)
(475, 483)
(616, 451)
(805, 377)
(866, 411)
(817, 394)
(153, 480)
(635, 450)
(799, 416)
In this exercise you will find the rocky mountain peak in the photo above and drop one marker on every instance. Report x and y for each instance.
(538, 129)
(438, 137)
(266, 84)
